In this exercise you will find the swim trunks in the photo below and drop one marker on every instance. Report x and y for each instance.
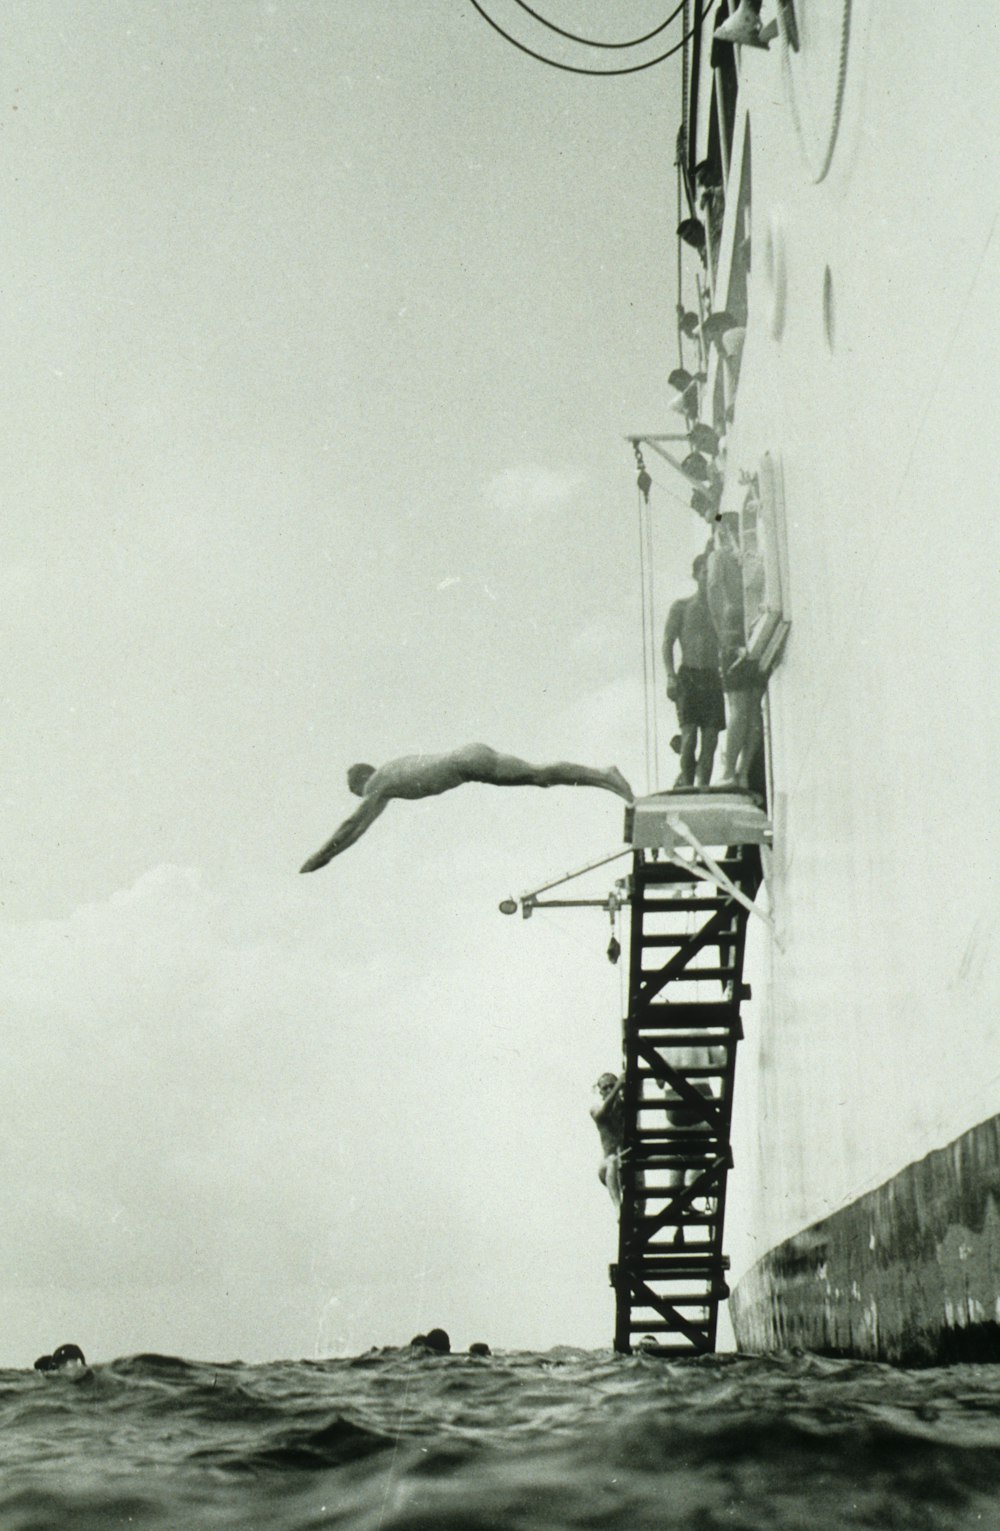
(739, 671)
(699, 698)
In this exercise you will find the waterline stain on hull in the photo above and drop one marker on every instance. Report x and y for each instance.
(908, 1273)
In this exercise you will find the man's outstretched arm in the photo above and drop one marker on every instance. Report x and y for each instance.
(352, 829)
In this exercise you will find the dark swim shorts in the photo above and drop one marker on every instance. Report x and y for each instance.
(740, 672)
(699, 698)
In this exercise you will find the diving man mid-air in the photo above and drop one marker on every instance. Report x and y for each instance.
(416, 776)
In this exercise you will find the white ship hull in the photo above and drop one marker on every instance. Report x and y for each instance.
(869, 374)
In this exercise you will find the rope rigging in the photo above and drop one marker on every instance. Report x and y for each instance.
(577, 69)
(590, 41)
(653, 674)
(651, 721)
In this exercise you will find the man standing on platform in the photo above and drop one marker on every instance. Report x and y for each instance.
(694, 687)
(742, 681)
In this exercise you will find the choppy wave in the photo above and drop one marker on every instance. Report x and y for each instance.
(395, 1441)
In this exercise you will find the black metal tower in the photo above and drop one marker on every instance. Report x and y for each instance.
(680, 1036)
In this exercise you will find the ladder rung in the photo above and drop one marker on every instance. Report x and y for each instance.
(660, 1194)
(674, 1222)
(685, 1220)
(701, 1252)
(661, 1325)
(688, 903)
(713, 1280)
(684, 1123)
(698, 1012)
(676, 1166)
(662, 1156)
(689, 1038)
(709, 1154)
(672, 938)
(687, 1300)
(687, 1073)
(681, 1262)
(693, 974)
(685, 1148)
(667, 874)
(654, 1245)
(682, 1116)
(669, 1352)
(684, 1137)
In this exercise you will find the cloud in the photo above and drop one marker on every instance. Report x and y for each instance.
(528, 492)
(242, 1117)
(173, 1108)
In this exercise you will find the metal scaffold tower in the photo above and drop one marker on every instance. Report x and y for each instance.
(681, 1034)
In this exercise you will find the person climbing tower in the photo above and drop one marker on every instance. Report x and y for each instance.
(608, 1113)
(417, 776)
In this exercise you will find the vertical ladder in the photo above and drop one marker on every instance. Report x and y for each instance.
(680, 1039)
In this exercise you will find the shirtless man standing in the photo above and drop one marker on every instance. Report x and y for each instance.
(694, 687)
(608, 1112)
(416, 776)
(741, 678)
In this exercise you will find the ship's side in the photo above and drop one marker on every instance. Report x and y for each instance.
(864, 1208)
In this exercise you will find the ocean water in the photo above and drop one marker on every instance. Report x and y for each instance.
(394, 1441)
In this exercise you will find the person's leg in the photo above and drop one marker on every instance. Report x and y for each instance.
(736, 724)
(689, 747)
(613, 1179)
(565, 773)
(753, 737)
(498, 770)
(706, 758)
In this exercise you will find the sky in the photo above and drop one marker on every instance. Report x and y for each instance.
(324, 326)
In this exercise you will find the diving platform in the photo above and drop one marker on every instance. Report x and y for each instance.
(696, 866)
(714, 815)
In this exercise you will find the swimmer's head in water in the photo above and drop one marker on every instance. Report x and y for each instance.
(438, 1339)
(67, 1356)
(357, 777)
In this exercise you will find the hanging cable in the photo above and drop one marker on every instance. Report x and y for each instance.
(654, 673)
(622, 1007)
(680, 271)
(576, 69)
(590, 42)
(645, 641)
(643, 482)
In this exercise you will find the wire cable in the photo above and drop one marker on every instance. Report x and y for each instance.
(651, 616)
(645, 641)
(590, 42)
(575, 68)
